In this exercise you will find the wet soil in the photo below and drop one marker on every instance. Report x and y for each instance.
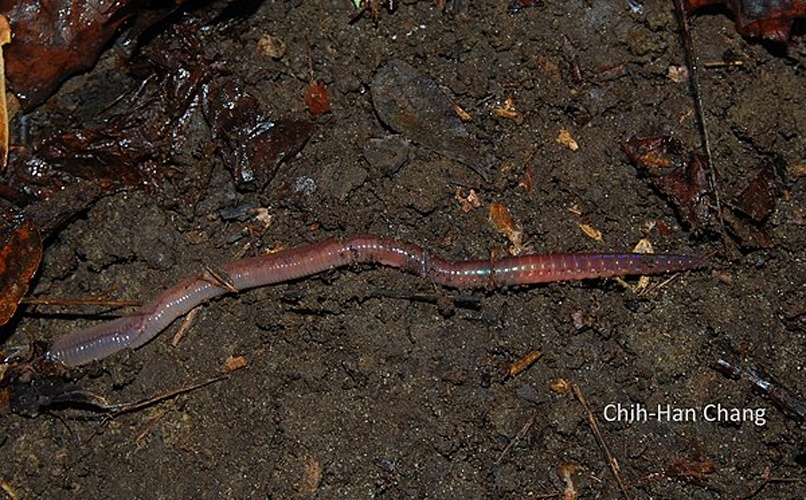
(356, 388)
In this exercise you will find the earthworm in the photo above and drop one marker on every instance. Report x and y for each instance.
(132, 331)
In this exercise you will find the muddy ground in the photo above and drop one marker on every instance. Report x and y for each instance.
(358, 388)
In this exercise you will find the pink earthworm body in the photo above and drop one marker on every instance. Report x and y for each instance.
(105, 339)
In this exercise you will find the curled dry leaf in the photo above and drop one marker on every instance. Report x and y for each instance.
(566, 139)
(505, 224)
(468, 202)
(560, 386)
(591, 232)
(508, 111)
(234, 363)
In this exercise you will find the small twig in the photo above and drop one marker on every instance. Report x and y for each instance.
(121, 408)
(767, 479)
(185, 326)
(150, 426)
(80, 301)
(696, 89)
(521, 434)
(219, 277)
(8, 489)
(783, 398)
(597, 433)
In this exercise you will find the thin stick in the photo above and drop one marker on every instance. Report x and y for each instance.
(521, 434)
(696, 90)
(121, 408)
(597, 433)
(80, 301)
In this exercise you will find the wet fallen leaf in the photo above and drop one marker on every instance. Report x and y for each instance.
(51, 212)
(770, 19)
(748, 234)
(63, 37)
(686, 187)
(144, 131)
(757, 200)
(20, 254)
(656, 153)
(753, 206)
(681, 176)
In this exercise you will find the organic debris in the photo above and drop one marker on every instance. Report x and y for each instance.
(516, 6)
(505, 224)
(757, 200)
(139, 135)
(508, 111)
(234, 363)
(271, 46)
(316, 99)
(5, 38)
(20, 253)
(782, 397)
(469, 202)
(769, 19)
(685, 184)
(591, 232)
(680, 176)
(373, 8)
(64, 38)
(315, 95)
(522, 364)
(566, 139)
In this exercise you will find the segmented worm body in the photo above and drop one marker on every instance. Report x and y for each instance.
(133, 331)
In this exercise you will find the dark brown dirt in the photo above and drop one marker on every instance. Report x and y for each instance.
(351, 395)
